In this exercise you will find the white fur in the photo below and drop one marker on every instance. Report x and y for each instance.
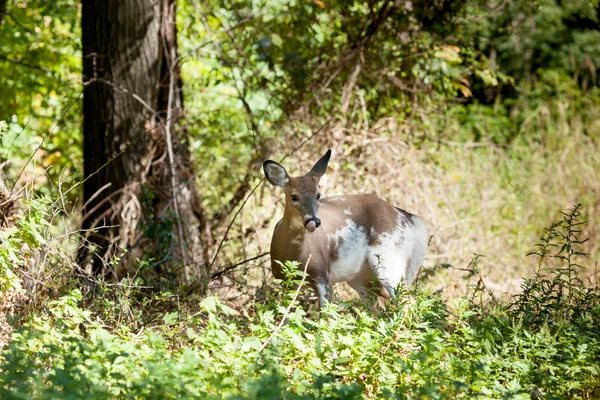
(396, 258)
(352, 244)
(399, 254)
(421, 241)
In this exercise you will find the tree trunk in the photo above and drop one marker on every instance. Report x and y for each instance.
(139, 196)
(2, 9)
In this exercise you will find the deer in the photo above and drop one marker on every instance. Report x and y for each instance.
(359, 239)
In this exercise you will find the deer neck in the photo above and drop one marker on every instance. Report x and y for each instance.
(293, 226)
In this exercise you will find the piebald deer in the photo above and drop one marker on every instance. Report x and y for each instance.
(358, 239)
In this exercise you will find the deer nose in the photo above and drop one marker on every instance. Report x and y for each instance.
(312, 224)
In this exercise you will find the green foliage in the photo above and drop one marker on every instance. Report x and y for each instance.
(258, 75)
(157, 228)
(414, 349)
(261, 75)
(40, 60)
(563, 291)
(21, 242)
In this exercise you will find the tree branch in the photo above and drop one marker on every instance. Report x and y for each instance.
(234, 266)
(21, 63)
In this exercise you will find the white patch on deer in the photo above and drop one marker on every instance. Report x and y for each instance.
(399, 254)
(420, 238)
(348, 212)
(351, 243)
(336, 198)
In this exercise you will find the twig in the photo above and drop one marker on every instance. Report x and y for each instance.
(166, 207)
(127, 145)
(217, 274)
(121, 89)
(231, 223)
(87, 203)
(79, 231)
(287, 311)
(18, 135)
(20, 62)
(12, 196)
(105, 200)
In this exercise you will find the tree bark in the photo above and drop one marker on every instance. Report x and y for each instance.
(139, 196)
(2, 9)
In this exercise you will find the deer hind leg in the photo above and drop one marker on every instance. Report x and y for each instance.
(369, 290)
(362, 289)
(390, 266)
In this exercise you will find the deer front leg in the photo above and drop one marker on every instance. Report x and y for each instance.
(322, 288)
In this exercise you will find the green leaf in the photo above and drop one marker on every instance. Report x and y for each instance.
(171, 318)
(276, 40)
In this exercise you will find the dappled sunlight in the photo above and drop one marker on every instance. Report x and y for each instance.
(148, 151)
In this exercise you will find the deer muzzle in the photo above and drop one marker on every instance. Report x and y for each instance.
(312, 224)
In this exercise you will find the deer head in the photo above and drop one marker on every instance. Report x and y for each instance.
(302, 193)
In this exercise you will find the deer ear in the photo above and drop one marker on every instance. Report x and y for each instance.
(275, 173)
(320, 167)
(324, 182)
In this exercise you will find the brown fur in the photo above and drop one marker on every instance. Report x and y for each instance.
(292, 240)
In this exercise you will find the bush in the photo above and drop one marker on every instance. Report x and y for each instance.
(545, 344)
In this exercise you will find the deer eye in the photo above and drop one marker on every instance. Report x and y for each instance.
(319, 196)
(294, 197)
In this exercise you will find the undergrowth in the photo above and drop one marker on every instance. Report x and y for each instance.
(121, 341)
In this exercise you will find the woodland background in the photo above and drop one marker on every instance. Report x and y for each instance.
(136, 222)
